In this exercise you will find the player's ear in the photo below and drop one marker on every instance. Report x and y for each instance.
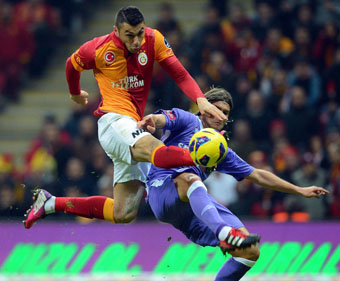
(115, 30)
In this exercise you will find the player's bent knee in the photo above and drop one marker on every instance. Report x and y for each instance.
(123, 218)
(191, 178)
(144, 147)
(183, 182)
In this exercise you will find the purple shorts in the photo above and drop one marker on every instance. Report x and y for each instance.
(167, 207)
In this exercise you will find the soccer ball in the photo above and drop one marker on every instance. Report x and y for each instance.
(207, 147)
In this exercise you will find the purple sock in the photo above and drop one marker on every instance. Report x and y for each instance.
(203, 208)
(232, 270)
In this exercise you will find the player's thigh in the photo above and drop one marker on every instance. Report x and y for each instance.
(183, 182)
(142, 150)
(127, 197)
(123, 172)
(117, 134)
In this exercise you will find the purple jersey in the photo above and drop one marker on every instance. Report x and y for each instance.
(179, 127)
(162, 193)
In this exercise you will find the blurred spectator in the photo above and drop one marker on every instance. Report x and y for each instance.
(303, 41)
(333, 152)
(236, 21)
(241, 139)
(318, 151)
(254, 200)
(278, 45)
(277, 91)
(207, 38)
(325, 46)
(76, 180)
(242, 88)
(331, 87)
(9, 206)
(304, 75)
(309, 174)
(86, 138)
(305, 19)
(245, 51)
(264, 20)
(43, 21)
(301, 121)
(50, 151)
(328, 10)
(329, 116)
(258, 117)
(16, 50)
(167, 21)
(222, 187)
(219, 70)
(105, 182)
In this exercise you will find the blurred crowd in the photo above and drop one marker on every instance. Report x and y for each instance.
(30, 31)
(280, 60)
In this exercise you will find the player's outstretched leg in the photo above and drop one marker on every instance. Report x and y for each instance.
(99, 207)
(236, 239)
(37, 210)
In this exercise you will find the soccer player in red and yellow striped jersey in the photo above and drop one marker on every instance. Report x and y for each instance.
(122, 63)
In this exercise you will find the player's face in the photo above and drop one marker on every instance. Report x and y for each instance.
(132, 36)
(212, 122)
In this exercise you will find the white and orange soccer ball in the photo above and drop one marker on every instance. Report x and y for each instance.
(207, 147)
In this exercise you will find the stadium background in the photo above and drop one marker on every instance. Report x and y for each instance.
(281, 62)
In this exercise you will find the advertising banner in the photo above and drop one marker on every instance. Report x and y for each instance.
(100, 248)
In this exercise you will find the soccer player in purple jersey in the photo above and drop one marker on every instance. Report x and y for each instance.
(178, 196)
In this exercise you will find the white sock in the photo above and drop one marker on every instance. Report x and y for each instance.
(49, 206)
(224, 233)
(246, 262)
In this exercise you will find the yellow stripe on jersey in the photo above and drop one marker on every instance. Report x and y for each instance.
(76, 62)
(108, 210)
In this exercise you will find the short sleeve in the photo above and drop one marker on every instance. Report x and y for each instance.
(235, 166)
(162, 47)
(84, 57)
(176, 119)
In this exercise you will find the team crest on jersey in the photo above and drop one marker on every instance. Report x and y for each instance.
(167, 43)
(142, 58)
(109, 57)
(170, 114)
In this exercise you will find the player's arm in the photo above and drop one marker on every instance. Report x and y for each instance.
(188, 85)
(152, 122)
(269, 180)
(80, 60)
(73, 81)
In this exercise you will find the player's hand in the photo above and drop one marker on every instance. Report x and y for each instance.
(147, 123)
(313, 191)
(210, 110)
(82, 99)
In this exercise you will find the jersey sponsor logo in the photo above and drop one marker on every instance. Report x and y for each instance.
(128, 82)
(142, 58)
(183, 145)
(170, 114)
(137, 133)
(109, 57)
(167, 43)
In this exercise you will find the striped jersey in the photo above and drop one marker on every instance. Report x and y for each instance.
(123, 78)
